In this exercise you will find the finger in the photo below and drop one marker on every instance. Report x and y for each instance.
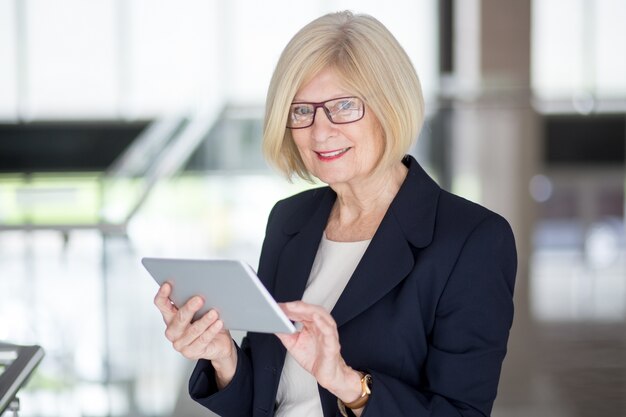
(330, 335)
(164, 304)
(182, 319)
(320, 327)
(210, 341)
(195, 330)
(326, 322)
(206, 346)
(301, 311)
(188, 310)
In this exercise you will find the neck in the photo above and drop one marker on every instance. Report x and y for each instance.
(368, 196)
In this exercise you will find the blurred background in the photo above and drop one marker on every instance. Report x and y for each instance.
(132, 128)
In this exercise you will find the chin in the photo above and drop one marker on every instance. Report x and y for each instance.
(332, 173)
(331, 179)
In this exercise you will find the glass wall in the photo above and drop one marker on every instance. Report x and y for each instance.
(581, 58)
(108, 59)
(578, 80)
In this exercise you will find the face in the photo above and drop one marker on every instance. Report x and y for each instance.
(337, 153)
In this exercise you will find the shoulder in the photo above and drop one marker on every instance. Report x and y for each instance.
(461, 226)
(460, 213)
(421, 197)
(473, 229)
(432, 216)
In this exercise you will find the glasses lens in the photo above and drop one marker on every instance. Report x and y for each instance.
(300, 115)
(339, 111)
(345, 110)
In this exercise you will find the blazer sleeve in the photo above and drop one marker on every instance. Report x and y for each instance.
(235, 400)
(468, 341)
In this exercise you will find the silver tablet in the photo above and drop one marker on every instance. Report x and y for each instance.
(229, 286)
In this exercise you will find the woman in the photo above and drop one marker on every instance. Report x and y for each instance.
(405, 290)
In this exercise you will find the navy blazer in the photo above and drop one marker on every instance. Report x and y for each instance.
(427, 311)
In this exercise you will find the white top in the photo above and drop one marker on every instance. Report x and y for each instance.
(334, 264)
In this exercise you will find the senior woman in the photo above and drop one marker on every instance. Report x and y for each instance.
(403, 291)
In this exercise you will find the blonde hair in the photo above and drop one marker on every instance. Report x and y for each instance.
(371, 63)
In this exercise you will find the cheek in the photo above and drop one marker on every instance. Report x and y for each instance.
(298, 140)
(377, 141)
(301, 141)
(379, 145)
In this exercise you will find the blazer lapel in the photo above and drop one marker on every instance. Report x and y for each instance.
(408, 223)
(296, 259)
(387, 261)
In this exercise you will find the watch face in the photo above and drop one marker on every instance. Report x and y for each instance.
(368, 383)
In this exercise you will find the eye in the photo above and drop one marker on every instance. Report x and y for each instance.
(348, 104)
(345, 104)
(301, 110)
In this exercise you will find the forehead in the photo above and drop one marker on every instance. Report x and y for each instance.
(325, 85)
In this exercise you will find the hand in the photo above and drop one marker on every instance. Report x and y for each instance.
(316, 348)
(205, 338)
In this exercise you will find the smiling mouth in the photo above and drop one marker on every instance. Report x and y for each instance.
(330, 155)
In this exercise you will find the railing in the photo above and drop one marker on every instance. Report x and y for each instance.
(17, 364)
(103, 201)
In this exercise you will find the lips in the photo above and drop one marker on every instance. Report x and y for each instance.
(330, 155)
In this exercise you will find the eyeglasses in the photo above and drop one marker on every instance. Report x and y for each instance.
(339, 111)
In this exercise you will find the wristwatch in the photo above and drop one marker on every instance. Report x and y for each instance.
(366, 390)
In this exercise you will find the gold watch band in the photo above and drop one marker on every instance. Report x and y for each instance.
(366, 382)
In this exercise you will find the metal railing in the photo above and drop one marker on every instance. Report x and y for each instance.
(115, 195)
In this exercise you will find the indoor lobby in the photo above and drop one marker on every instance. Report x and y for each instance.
(133, 128)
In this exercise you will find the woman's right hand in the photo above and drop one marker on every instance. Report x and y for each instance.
(205, 338)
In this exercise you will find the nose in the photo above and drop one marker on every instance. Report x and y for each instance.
(322, 126)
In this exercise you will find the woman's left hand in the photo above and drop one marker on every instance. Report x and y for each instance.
(316, 348)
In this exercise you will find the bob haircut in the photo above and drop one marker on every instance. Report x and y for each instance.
(371, 64)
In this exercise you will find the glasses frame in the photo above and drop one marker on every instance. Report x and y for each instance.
(322, 104)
